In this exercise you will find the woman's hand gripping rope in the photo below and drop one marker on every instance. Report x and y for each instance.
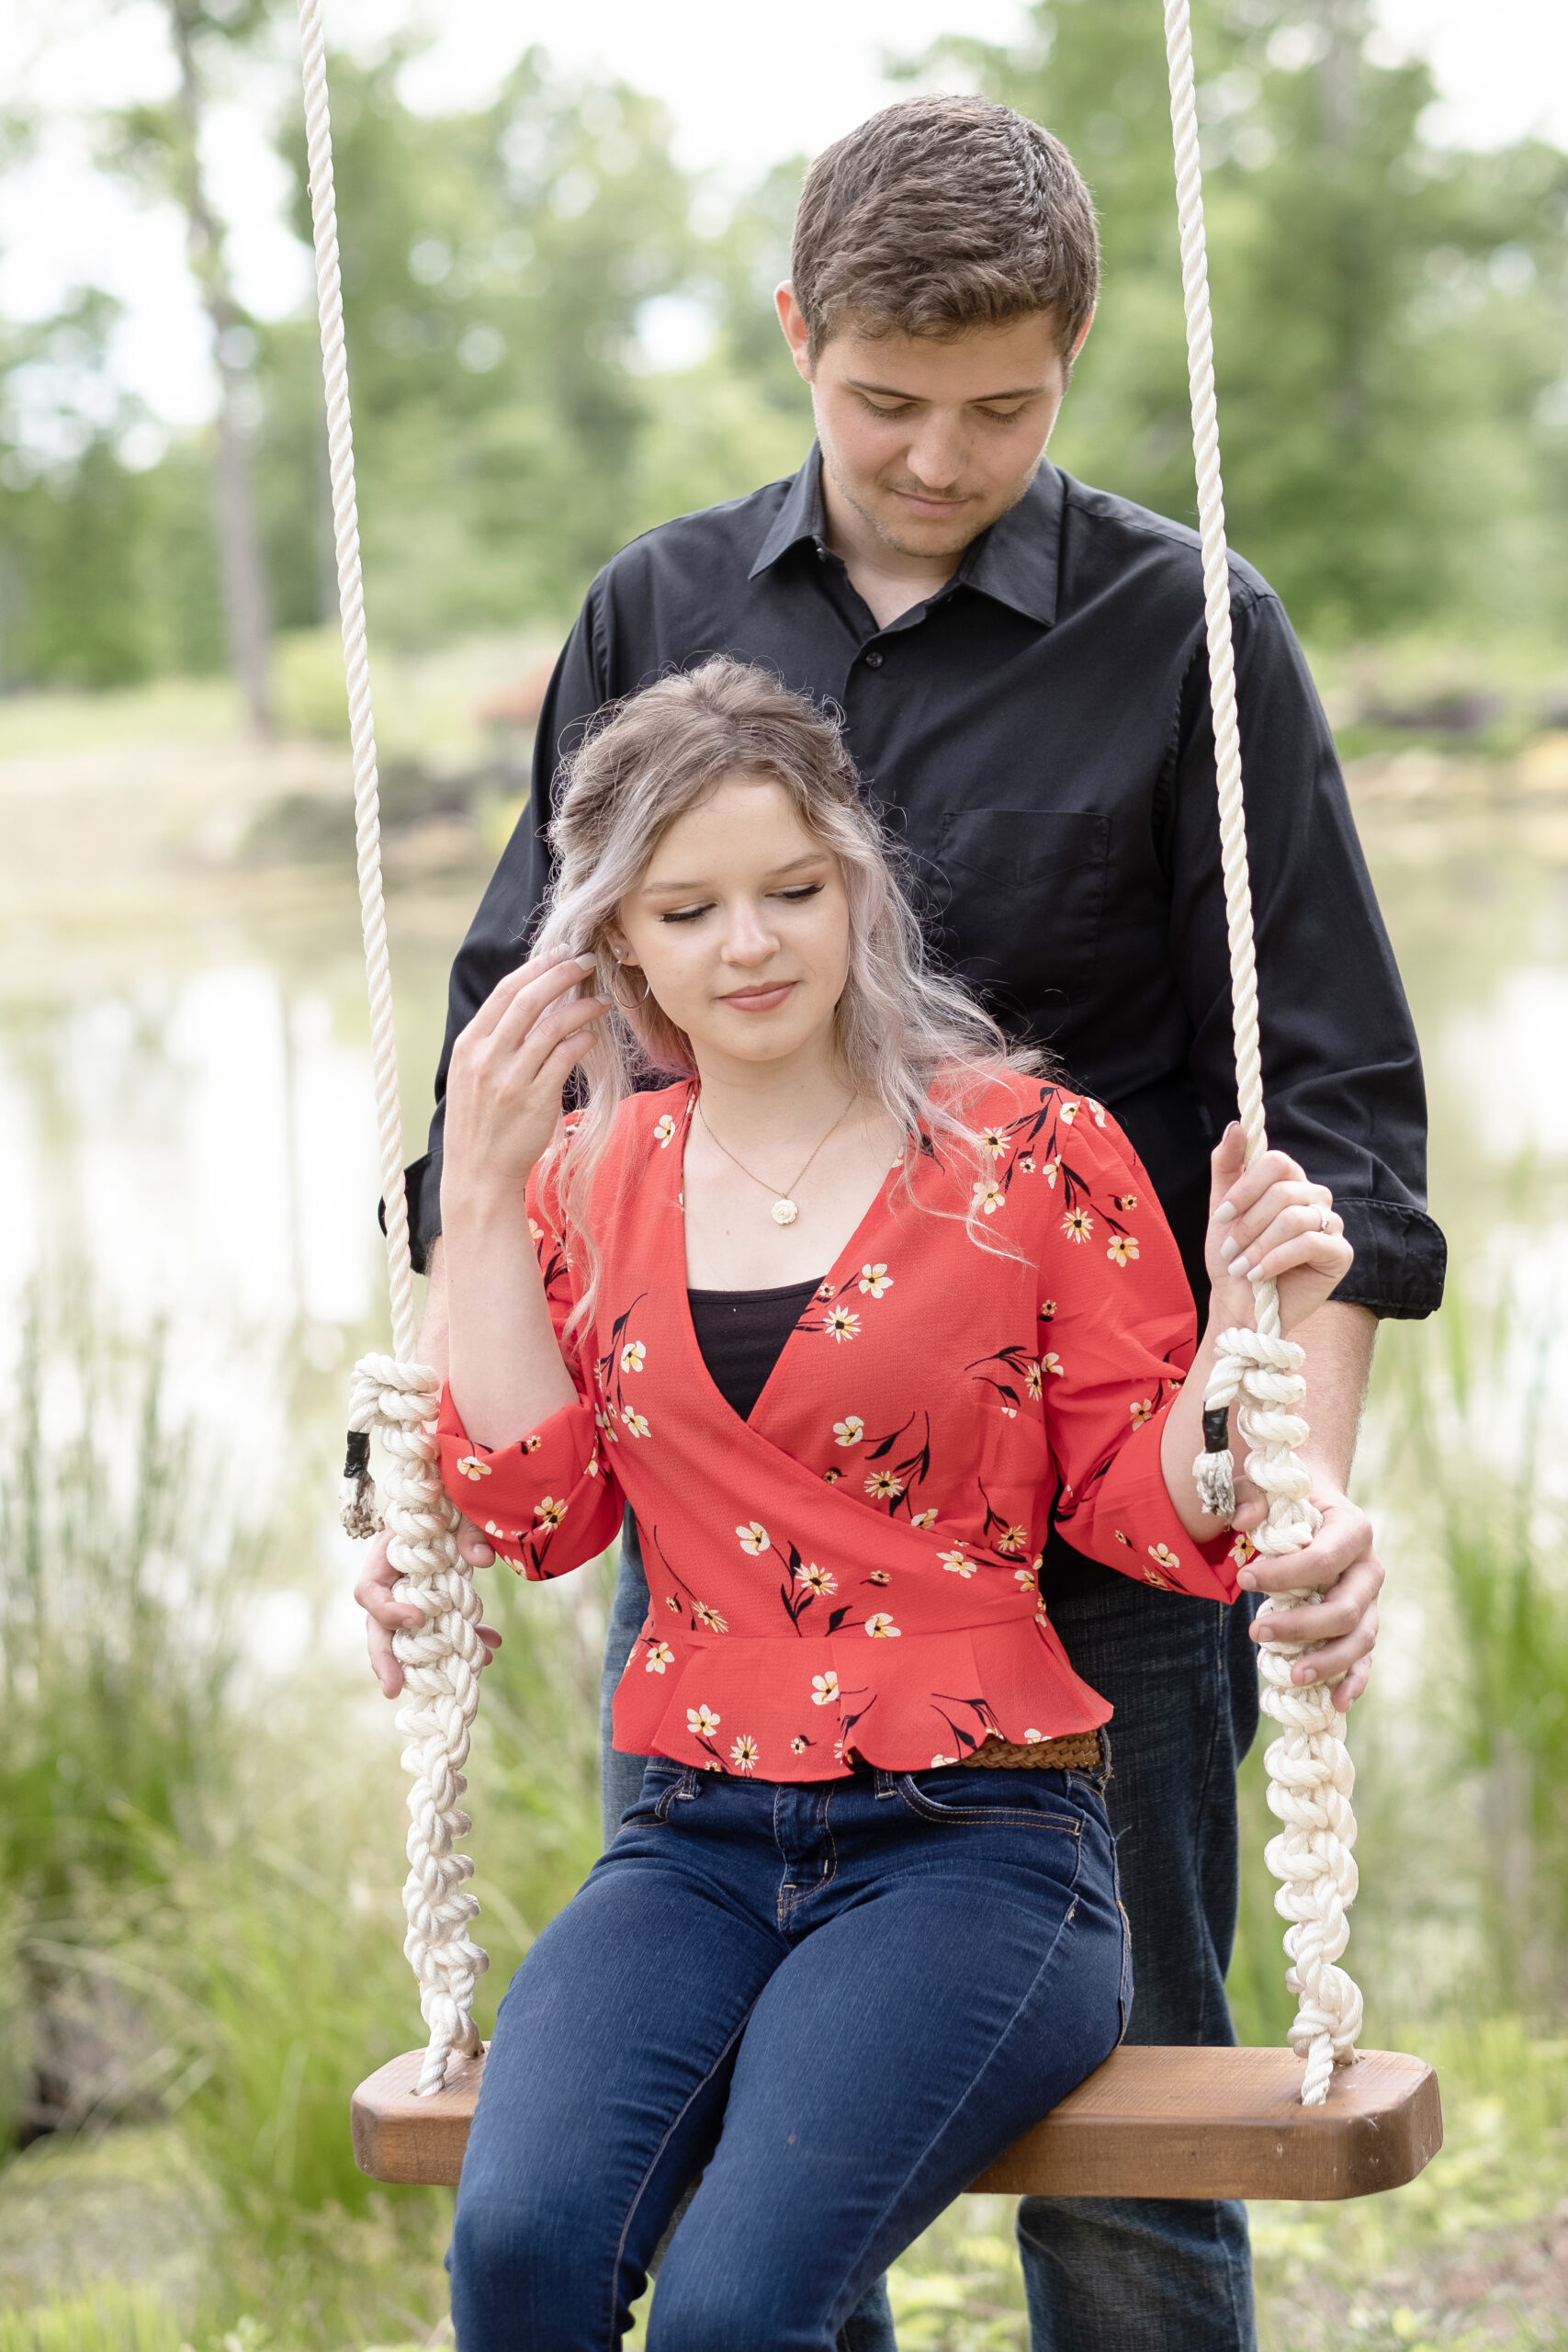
(1268, 1220)
(1273, 1230)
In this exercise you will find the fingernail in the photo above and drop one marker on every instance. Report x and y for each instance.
(1228, 1248)
(1239, 1266)
(1224, 1213)
(589, 963)
(1247, 1581)
(1307, 1674)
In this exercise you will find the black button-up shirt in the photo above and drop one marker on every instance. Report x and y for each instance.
(1038, 733)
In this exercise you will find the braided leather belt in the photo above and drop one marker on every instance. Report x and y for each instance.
(1078, 1751)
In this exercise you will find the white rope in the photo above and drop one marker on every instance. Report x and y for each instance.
(441, 1667)
(441, 1662)
(1310, 1771)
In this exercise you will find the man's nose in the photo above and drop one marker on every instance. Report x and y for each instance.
(935, 456)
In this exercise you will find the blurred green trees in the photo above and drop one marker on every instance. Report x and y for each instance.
(495, 265)
(1391, 319)
(1391, 328)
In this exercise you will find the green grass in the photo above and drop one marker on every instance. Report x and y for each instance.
(180, 709)
(110, 2319)
(426, 701)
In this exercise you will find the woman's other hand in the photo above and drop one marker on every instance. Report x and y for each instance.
(508, 1067)
(1268, 1219)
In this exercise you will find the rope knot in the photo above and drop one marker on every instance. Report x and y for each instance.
(441, 1662)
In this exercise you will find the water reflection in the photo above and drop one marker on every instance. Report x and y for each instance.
(204, 1151)
(1508, 1052)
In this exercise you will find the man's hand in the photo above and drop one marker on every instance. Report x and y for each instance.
(1342, 1565)
(384, 1616)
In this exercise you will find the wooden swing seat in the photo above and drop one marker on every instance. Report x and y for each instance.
(1150, 2122)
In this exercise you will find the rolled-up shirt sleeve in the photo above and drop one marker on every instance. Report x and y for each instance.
(1342, 1078)
(550, 1503)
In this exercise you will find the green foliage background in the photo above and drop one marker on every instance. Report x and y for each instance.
(1391, 329)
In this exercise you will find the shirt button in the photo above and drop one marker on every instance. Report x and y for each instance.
(874, 661)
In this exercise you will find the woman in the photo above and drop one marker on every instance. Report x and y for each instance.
(846, 1313)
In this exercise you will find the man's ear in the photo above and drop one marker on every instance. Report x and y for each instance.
(1082, 336)
(794, 329)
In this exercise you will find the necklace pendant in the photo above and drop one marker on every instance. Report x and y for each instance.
(784, 1212)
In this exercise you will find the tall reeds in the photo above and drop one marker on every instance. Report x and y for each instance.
(199, 1918)
(1484, 1429)
(119, 1594)
(1461, 1744)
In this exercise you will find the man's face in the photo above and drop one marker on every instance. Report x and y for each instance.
(929, 442)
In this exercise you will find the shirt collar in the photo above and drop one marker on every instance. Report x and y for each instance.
(800, 517)
(1015, 563)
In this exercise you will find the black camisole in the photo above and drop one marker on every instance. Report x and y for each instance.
(742, 1336)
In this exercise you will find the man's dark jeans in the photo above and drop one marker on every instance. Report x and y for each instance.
(1109, 2274)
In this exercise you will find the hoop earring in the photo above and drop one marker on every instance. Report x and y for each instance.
(620, 963)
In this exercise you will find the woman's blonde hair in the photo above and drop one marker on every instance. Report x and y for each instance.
(910, 1039)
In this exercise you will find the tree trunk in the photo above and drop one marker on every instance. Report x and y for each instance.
(1345, 24)
(240, 567)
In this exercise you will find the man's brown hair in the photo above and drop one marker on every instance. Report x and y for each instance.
(942, 213)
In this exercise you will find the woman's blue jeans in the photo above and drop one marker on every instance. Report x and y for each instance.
(834, 2002)
(1104, 2274)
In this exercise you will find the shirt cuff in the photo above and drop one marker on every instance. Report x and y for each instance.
(547, 1503)
(422, 1183)
(1126, 1520)
(1400, 1259)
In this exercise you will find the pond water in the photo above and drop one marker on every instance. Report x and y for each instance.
(185, 1094)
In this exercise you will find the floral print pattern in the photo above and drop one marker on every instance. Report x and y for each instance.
(882, 1513)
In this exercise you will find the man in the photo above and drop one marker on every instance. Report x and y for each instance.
(1021, 666)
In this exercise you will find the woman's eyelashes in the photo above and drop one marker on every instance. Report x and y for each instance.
(795, 895)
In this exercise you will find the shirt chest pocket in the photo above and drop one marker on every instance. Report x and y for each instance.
(1024, 896)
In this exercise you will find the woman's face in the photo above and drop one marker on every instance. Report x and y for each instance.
(739, 926)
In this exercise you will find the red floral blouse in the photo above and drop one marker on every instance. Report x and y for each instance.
(851, 1574)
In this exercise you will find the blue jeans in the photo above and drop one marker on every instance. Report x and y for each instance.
(1103, 2274)
(835, 2002)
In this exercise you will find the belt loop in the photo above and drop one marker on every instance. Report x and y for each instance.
(886, 1784)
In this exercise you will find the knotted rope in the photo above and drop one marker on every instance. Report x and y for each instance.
(399, 1397)
(1310, 1771)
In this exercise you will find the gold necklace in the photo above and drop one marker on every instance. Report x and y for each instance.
(784, 1211)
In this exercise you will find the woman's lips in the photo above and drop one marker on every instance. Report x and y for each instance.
(759, 999)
